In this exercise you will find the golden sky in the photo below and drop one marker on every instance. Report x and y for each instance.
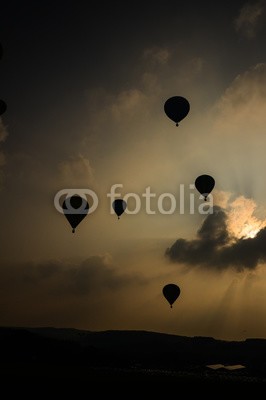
(85, 110)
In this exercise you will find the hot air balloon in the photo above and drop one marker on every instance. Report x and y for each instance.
(119, 206)
(75, 210)
(204, 184)
(176, 108)
(171, 292)
(3, 107)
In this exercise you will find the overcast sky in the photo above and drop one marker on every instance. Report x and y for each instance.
(85, 86)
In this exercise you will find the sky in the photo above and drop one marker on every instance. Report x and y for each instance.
(85, 87)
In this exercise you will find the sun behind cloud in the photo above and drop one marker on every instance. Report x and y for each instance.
(241, 221)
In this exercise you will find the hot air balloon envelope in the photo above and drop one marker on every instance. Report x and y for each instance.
(119, 206)
(75, 210)
(176, 108)
(204, 184)
(171, 292)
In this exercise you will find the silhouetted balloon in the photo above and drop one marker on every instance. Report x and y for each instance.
(119, 206)
(171, 292)
(204, 184)
(75, 210)
(176, 108)
(3, 107)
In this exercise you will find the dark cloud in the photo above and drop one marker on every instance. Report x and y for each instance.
(250, 19)
(215, 248)
(96, 273)
(92, 293)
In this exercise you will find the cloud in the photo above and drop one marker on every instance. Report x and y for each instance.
(217, 245)
(242, 221)
(157, 55)
(128, 103)
(94, 274)
(93, 293)
(113, 112)
(249, 19)
(76, 171)
(235, 133)
(244, 102)
(192, 68)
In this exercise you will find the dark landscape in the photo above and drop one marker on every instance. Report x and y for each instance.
(119, 356)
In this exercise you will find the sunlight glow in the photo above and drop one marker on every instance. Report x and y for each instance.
(242, 223)
(250, 230)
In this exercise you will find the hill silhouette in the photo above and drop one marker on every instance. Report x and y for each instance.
(128, 356)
